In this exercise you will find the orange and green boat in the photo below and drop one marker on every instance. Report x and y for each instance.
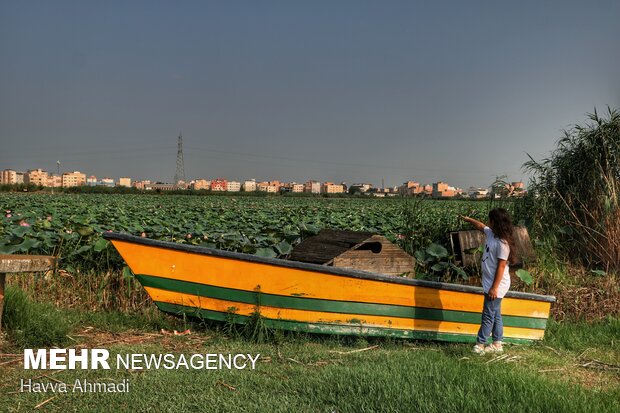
(289, 295)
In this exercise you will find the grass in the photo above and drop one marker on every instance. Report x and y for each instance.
(572, 370)
(30, 323)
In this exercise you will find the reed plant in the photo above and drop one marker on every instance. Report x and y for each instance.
(574, 193)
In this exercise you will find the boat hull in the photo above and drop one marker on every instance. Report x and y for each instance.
(233, 287)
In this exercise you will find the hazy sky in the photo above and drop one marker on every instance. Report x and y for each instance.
(329, 90)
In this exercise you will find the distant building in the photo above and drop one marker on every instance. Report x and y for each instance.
(233, 186)
(297, 188)
(267, 187)
(219, 184)
(91, 181)
(411, 188)
(160, 186)
(109, 182)
(8, 177)
(142, 185)
(36, 177)
(478, 193)
(362, 187)
(71, 179)
(312, 187)
(181, 185)
(331, 188)
(286, 187)
(54, 181)
(124, 181)
(277, 184)
(443, 190)
(201, 184)
(249, 185)
(517, 189)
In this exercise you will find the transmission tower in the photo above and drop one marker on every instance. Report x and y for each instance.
(180, 173)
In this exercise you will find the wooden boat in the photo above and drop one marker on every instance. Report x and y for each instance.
(228, 286)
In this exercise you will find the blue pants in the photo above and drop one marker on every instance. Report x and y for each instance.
(491, 321)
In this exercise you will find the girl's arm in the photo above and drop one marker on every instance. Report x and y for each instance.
(499, 273)
(477, 224)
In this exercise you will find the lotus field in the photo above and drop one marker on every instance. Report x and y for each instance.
(70, 226)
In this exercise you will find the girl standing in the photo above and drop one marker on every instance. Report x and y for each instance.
(498, 253)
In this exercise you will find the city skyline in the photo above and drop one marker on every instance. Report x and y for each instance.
(115, 180)
(347, 91)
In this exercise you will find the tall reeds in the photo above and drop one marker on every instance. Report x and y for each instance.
(574, 192)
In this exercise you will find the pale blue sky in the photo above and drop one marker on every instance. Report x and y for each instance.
(329, 90)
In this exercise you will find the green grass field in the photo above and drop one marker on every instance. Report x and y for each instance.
(575, 369)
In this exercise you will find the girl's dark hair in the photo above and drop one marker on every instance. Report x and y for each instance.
(501, 224)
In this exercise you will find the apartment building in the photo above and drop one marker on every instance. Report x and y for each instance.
(312, 187)
(297, 188)
(219, 184)
(276, 184)
(8, 177)
(91, 181)
(412, 188)
(478, 193)
(267, 187)
(161, 187)
(332, 188)
(75, 178)
(54, 181)
(109, 182)
(443, 190)
(142, 185)
(199, 184)
(233, 186)
(249, 185)
(124, 181)
(36, 177)
(361, 187)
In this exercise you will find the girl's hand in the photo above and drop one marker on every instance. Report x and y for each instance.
(493, 293)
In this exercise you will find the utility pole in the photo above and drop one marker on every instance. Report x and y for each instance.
(57, 174)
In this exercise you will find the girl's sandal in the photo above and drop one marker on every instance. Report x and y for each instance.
(478, 348)
(494, 348)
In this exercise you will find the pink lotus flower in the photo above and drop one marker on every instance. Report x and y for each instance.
(23, 223)
(143, 235)
(49, 218)
(9, 215)
(188, 236)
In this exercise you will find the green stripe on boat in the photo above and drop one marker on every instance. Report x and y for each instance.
(331, 306)
(325, 328)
